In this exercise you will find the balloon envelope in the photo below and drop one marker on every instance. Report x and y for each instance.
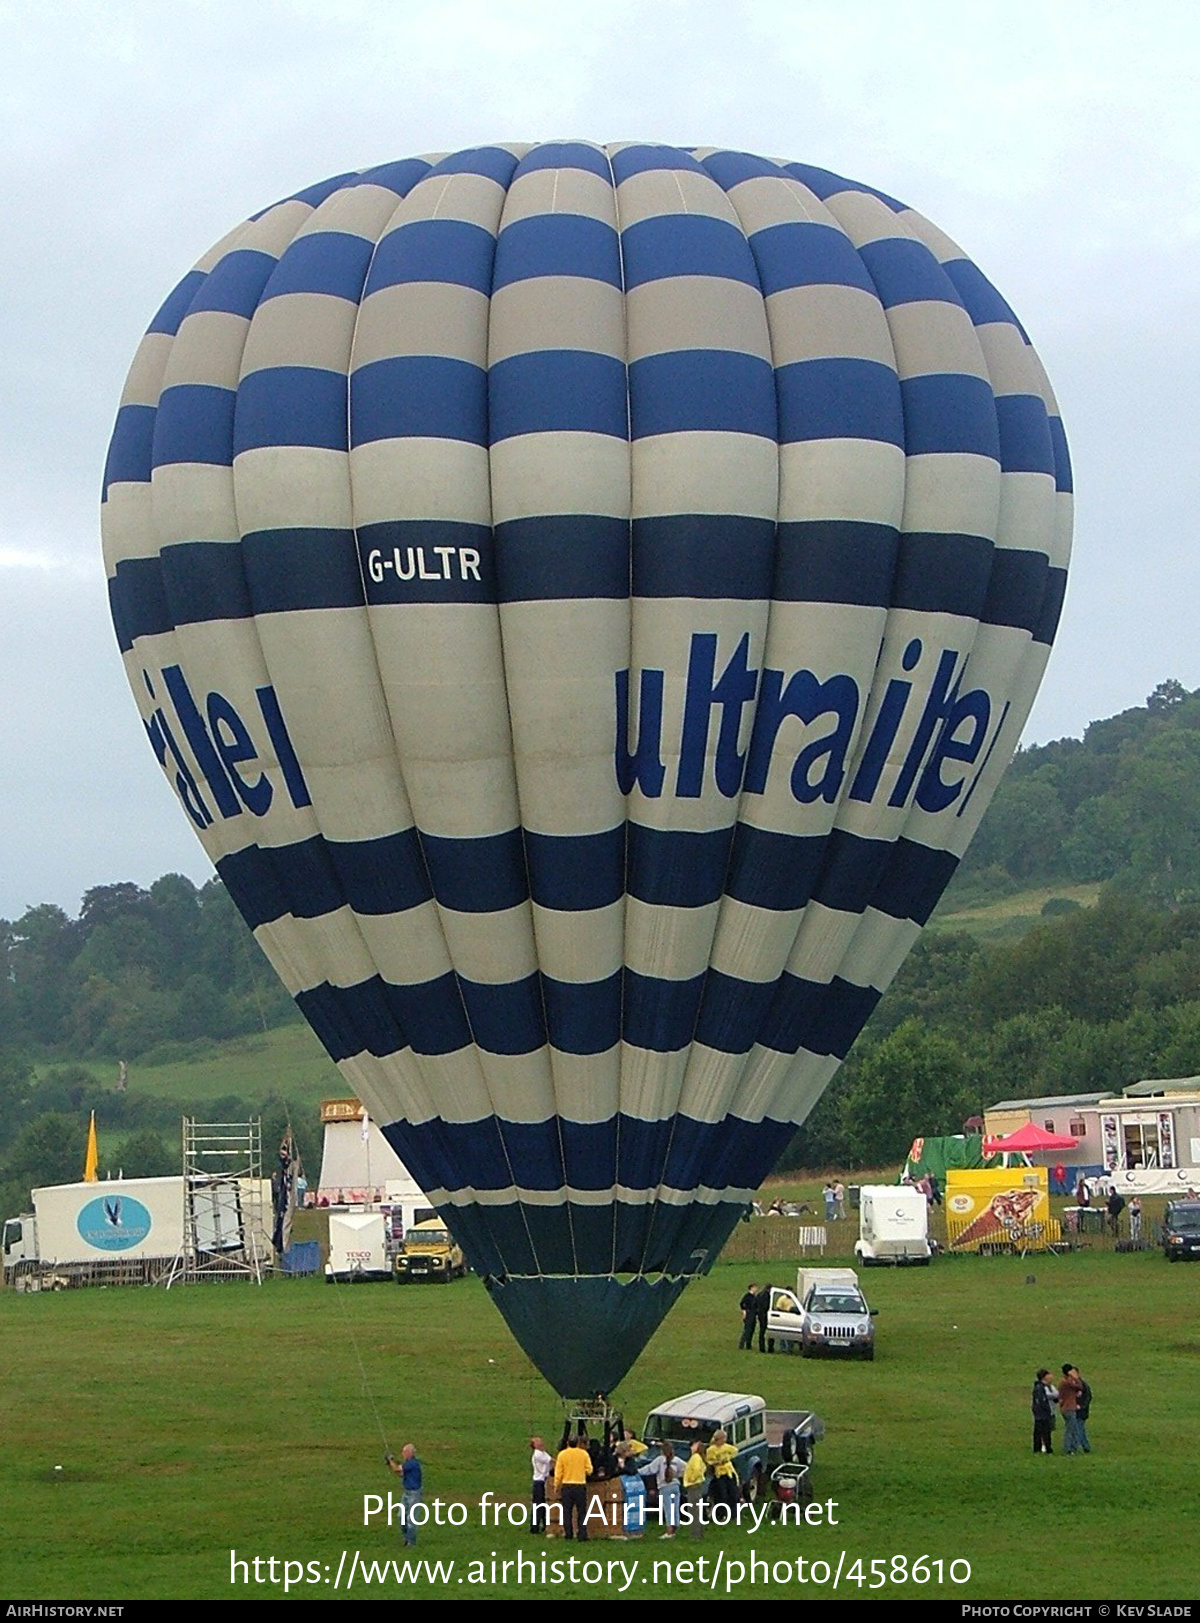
(583, 599)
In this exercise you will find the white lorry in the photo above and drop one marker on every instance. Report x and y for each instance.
(123, 1230)
(893, 1226)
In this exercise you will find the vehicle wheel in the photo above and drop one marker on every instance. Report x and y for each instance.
(869, 1355)
(805, 1350)
(752, 1492)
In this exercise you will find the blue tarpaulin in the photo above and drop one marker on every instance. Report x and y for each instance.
(303, 1258)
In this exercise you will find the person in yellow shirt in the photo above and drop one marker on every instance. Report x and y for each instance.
(695, 1482)
(720, 1457)
(571, 1471)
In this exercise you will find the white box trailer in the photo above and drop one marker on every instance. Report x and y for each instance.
(122, 1228)
(357, 1247)
(806, 1278)
(893, 1226)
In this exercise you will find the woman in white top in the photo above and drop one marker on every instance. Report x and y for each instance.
(541, 1463)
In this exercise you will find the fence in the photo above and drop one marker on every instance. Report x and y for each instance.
(32, 1275)
(775, 1239)
(1005, 1240)
(789, 1239)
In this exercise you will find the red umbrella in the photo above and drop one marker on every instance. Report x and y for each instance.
(1027, 1138)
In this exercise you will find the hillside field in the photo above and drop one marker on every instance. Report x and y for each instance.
(230, 1418)
(1008, 918)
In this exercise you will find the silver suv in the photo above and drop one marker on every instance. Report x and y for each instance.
(836, 1318)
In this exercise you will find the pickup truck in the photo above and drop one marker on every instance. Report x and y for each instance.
(765, 1439)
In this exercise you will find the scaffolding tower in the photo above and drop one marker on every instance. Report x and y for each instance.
(225, 1235)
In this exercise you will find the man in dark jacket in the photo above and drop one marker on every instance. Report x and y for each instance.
(1044, 1399)
(749, 1307)
(763, 1310)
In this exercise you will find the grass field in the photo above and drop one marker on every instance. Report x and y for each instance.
(229, 1418)
(1009, 917)
(287, 1060)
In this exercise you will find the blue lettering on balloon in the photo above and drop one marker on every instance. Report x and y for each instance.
(974, 710)
(222, 745)
(234, 745)
(212, 769)
(987, 755)
(807, 700)
(644, 766)
(883, 734)
(729, 694)
(162, 742)
(937, 705)
(953, 727)
(268, 704)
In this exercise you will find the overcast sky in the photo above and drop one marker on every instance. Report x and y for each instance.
(1060, 145)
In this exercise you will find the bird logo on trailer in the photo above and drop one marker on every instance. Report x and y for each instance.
(113, 1223)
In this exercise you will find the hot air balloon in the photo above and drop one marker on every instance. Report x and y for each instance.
(583, 599)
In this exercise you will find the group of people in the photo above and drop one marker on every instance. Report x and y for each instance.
(1116, 1205)
(1072, 1398)
(1101, 1192)
(834, 1196)
(707, 1473)
(930, 1187)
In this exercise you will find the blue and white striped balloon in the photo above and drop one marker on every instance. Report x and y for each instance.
(584, 598)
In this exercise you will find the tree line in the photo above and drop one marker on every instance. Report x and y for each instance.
(1120, 804)
(136, 970)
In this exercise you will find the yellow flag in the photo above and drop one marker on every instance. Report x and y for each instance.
(92, 1159)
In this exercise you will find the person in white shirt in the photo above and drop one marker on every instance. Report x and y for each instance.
(542, 1464)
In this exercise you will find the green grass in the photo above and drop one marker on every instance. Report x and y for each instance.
(1010, 917)
(202, 1420)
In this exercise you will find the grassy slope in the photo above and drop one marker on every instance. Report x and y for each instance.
(287, 1060)
(203, 1420)
(1010, 916)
